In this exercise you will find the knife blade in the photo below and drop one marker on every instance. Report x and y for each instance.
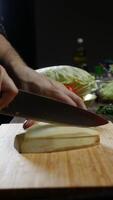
(32, 106)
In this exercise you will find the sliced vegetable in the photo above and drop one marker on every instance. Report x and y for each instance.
(50, 138)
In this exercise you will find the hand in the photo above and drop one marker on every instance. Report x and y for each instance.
(8, 89)
(40, 84)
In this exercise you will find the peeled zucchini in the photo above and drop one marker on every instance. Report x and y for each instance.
(50, 138)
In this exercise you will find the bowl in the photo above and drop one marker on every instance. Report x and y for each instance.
(89, 99)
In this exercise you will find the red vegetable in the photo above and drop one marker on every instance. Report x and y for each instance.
(71, 87)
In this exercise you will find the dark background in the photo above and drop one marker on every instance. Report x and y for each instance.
(45, 32)
(18, 19)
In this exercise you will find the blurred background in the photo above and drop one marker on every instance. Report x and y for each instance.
(45, 32)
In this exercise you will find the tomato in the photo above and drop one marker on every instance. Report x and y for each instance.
(71, 87)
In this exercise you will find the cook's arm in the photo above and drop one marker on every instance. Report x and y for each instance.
(27, 79)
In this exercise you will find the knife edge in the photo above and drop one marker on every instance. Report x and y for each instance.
(29, 105)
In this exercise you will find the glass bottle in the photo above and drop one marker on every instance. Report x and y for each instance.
(79, 57)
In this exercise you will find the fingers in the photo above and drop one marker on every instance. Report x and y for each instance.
(61, 96)
(6, 99)
(69, 97)
(78, 100)
(28, 123)
(7, 88)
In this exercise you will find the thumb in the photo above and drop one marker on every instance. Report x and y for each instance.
(6, 98)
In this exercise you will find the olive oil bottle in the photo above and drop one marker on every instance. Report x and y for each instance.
(79, 56)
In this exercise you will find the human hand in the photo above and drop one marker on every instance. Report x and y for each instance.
(40, 84)
(8, 89)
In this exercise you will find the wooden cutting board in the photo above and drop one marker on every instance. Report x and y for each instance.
(76, 168)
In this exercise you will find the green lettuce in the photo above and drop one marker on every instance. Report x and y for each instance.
(106, 91)
(81, 80)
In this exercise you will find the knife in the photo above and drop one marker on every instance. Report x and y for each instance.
(32, 106)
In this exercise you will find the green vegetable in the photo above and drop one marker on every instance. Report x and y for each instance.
(82, 81)
(105, 109)
(106, 91)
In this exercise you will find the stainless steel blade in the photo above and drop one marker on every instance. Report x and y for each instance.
(40, 108)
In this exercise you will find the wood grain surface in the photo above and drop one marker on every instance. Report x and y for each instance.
(91, 166)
